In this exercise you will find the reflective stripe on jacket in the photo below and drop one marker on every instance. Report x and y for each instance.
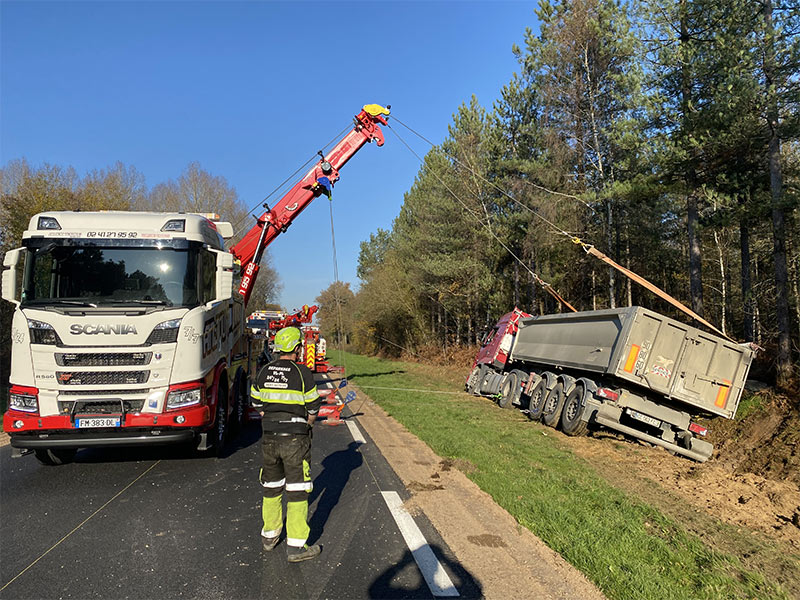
(287, 394)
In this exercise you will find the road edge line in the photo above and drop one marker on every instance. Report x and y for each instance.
(435, 576)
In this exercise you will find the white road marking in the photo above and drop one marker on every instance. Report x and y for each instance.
(355, 432)
(432, 570)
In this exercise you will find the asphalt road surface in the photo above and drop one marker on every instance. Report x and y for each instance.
(157, 523)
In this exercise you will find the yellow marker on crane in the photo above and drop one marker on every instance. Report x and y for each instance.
(375, 110)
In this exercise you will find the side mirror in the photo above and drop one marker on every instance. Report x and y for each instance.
(10, 291)
(224, 275)
(225, 229)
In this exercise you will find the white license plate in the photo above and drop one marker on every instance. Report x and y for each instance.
(97, 422)
(644, 418)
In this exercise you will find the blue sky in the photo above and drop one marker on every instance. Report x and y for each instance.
(252, 90)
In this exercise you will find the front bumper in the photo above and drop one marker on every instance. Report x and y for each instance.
(59, 431)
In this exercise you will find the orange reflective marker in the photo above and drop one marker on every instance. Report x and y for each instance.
(632, 356)
(722, 394)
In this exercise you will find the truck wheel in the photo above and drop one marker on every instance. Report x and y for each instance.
(553, 405)
(484, 377)
(239, 413)
(538, 395)
(473, 380)
(220, 429)
(509, 391)
(572, 422)
(55, 456)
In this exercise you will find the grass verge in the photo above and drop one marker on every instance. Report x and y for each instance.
(628, 548)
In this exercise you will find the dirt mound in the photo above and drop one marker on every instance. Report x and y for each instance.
(765, 441)
(752, 480)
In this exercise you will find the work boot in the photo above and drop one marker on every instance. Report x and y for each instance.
(305, 553)
(269, 543)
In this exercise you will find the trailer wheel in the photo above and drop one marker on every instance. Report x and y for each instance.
(553, 405)
(571, 417)
(510, 390)
(538, 395)
(55, 456)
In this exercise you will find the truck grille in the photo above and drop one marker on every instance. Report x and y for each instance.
(102, 407)
(103, 359)
(101, 377)
(105, 393)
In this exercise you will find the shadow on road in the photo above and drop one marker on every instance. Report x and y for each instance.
(329, 484)
(384, 585)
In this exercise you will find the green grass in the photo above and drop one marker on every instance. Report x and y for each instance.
(749, 404)
(627, 548)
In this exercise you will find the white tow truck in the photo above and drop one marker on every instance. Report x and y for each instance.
(126, 331)
(127, 328)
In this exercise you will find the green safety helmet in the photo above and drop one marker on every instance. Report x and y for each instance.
(287, 339)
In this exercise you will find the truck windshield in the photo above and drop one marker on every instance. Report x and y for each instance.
(93, 275)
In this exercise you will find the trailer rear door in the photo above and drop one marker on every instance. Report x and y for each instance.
(713, 372)
(684, 363)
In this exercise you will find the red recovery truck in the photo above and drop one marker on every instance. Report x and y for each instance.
(313, 355)
(628, 369)
(127, 326)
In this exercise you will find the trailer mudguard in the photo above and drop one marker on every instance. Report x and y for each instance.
(568, 381)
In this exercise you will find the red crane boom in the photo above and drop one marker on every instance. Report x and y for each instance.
(317, 181)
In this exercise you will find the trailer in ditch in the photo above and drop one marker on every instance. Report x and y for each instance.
(630, 369)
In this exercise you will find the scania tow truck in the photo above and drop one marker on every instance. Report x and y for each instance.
(129, 327)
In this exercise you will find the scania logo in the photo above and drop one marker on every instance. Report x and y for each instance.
(118, 329)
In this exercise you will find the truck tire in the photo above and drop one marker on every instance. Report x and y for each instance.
(536, 404)
(572, 422)
(219, 433)
(553, 405)
(484, 378)
(55, 456)
(509, 390)
(473, 381)
(239, 414)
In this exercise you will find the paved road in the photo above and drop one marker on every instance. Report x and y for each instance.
(154, 523)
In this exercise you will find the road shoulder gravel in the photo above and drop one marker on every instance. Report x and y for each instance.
(505, 558)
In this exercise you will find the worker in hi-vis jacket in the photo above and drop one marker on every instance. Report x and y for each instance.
(286, 396)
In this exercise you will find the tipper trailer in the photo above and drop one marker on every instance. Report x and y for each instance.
(628, 369)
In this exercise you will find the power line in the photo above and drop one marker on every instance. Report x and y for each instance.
(487, 225)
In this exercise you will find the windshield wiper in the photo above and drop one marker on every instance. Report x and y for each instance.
(46, 301)
(149, 302)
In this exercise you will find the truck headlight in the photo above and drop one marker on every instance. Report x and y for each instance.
(181, 396)
(165, 333)
(43, 333)
(23, 399)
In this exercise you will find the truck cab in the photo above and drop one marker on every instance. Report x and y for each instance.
(496, 342)
(125, 331)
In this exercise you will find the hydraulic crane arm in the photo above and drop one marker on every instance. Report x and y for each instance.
(304, 315)
(317, 181)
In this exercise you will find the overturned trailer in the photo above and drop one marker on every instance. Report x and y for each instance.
(629, 369)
